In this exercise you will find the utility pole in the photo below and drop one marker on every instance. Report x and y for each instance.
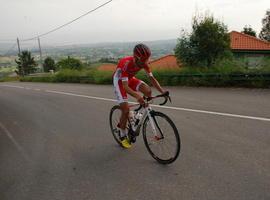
(18, 43)
(40, 54)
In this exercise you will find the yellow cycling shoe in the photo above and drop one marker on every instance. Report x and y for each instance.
(125, 142)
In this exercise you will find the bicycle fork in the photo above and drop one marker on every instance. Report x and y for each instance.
(154, 125)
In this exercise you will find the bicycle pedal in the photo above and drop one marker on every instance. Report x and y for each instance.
(133, 139)
(137, 133)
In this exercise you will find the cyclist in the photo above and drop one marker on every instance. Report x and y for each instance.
(125, 82)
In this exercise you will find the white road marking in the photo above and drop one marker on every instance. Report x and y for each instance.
(215, 113)
(167, 107)
(18, 147)
(79, 95)
(158, 106)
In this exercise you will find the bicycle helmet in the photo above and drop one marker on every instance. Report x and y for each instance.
(141, 52)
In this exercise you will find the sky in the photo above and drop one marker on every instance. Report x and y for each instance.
(120, 20)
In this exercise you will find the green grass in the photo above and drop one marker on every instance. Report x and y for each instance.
(7, 79)
(7, 69)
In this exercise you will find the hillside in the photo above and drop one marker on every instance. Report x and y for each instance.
(93, 52)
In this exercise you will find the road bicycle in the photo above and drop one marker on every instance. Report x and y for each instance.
(160, 134)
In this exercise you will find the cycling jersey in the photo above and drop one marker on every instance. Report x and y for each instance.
(125, 71)
(127, 68)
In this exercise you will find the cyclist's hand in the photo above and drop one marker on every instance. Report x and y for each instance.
(166, 93)
(141, 100)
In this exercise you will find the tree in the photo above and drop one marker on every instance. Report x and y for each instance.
(249, 31)
(48, 64)
(185, 52)
(208, 41)
(26, 63)
(265, 32)
(70, 63)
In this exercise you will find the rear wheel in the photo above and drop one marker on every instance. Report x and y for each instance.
(114, 120)
(165, 146)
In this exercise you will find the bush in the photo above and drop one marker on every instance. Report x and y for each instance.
(70, 63)
(265, 67)
(68, 76)
(102, 77)
(49, 64)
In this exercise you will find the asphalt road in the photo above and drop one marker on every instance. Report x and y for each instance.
(55, 143)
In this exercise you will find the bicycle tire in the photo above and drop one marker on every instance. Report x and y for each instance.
(113, 124)
(161, 141)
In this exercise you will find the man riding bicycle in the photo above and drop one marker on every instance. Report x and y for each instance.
(125, 82)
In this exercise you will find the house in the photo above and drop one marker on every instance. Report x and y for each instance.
(165, 62)
(249, 47)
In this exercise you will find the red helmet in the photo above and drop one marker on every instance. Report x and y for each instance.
(141, 52)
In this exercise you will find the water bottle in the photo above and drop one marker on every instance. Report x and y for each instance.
(131, 118)
(138, 117)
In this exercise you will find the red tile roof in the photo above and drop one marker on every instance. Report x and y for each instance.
(241, 41)
(107, 67)
(165, 62)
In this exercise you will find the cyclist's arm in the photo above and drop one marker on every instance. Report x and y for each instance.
(153, 80)
(156, 84)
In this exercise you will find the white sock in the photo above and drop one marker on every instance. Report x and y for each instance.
(123, 132)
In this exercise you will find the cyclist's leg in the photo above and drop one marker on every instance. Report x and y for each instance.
(124, 116)
(140, 86)
(122, 100)
(122, 125)
(145, 89)
(121, 96)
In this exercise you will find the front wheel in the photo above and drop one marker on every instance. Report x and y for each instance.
(164, 146)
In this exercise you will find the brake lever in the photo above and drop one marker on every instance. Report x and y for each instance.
(170, 99)
(166, 96)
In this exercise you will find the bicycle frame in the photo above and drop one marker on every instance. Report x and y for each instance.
(146, 111)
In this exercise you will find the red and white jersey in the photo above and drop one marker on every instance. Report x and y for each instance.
(126, 69)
